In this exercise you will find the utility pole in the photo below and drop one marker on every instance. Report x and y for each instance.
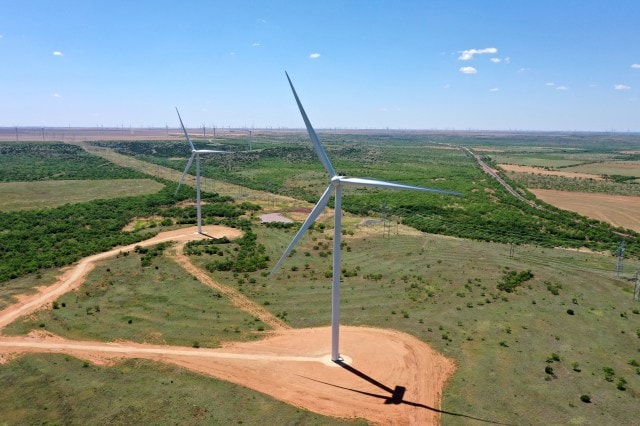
(17, 139)
(636, 291)
(620, 254)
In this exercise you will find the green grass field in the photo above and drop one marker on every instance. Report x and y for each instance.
(609, 168)
(158, 304)
(58, 389)
(45, 194)
(524, 357)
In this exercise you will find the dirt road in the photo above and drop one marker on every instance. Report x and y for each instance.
(387, 378)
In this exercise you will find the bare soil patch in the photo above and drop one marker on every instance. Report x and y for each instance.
(618, 210)
(543, 171)
(389, 377)
(274, 217)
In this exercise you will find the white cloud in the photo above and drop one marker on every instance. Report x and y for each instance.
(550, 84)
(232, 53)
(468, 54)
(468, 70)
(562, 88)
(57, 53)
(496, 60)
(494, 89)
(507, 60)
(446, 86)
(593, 85)
(255, 45)
(314, 56)
(523, 69)
(621, 87)
(57, 95)
(634, 66)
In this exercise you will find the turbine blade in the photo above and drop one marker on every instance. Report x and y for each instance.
(393, 185)
(186, 169)
(185, 131)
(319, 207)
(210, 151)
(320, 152)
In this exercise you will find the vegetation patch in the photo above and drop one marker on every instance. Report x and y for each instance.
(512, 279)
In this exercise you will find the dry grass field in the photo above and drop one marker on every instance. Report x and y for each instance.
(46, 194)
(617, 210)
(542, 171)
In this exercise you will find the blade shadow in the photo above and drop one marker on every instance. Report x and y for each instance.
(396, 395)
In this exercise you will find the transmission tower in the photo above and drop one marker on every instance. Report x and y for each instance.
(620, 254)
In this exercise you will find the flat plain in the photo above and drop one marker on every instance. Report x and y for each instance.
(526, 356)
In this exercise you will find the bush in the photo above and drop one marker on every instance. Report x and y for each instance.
(570, 311)
(608, 373)
(513, 279)
(554, 288)
(585, 398)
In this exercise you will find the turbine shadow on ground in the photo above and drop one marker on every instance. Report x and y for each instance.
(395, 395)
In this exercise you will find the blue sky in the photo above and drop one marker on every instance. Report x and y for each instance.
(441, 64)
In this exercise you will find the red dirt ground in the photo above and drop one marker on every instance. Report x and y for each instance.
(387, 377)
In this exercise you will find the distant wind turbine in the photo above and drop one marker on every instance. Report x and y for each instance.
(336, 184)
(195, 153)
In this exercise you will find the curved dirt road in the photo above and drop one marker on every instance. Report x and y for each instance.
(388, 377)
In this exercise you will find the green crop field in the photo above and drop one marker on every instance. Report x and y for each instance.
(533, 325)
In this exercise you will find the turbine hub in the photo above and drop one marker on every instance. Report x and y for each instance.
(335, 180)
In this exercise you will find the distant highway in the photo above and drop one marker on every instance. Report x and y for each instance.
(494, 173)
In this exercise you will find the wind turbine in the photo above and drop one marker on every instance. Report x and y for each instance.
(195, 153)
(336, 184)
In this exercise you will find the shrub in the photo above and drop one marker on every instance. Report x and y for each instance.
(554, 288)
(512, 279)
(621, 385)
(585, 398)
(608, 373)
(553, 357)
(570, 311)
(549, 370)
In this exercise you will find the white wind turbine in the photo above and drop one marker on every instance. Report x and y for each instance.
(335, 186)
(195, 153)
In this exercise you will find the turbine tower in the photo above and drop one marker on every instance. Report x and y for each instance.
(336, 184)
(195, 153)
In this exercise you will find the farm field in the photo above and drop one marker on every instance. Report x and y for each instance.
(542, 171)
(36, 195)
(609, 168)
(529, 326)
(619, 210)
